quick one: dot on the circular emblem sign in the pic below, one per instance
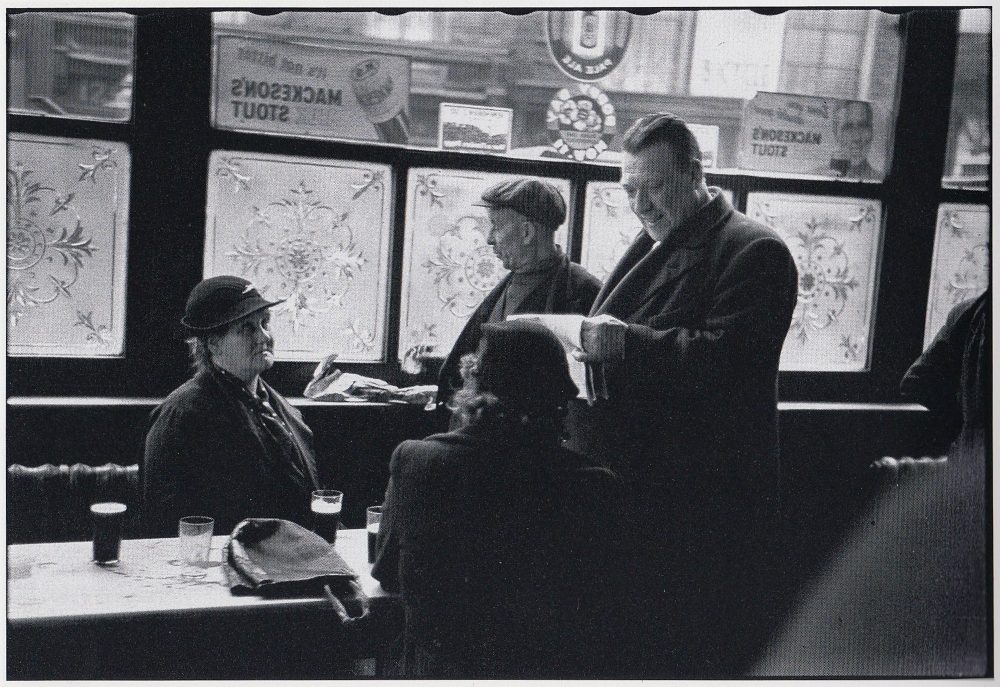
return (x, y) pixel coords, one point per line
(588, 44)
(581, 122)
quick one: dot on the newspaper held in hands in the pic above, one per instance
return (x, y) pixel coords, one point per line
(567, 328)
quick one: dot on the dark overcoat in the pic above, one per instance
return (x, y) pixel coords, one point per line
(503, 552)
(691, 425)
(693, 405)
(571, 289)
(206, 454)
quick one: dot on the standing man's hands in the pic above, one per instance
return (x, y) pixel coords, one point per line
(602, 339)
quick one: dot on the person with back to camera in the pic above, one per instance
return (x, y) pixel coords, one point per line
(683, 343)
(524, 215)
(225, 443)
(500, 541)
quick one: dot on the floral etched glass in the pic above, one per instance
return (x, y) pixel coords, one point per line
(835, 243)
(67, 232)
(961, 266)
(316, 233)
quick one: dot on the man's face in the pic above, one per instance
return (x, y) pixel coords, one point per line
(247, 348)
(511, 237)
(854, 131)
(660, 193)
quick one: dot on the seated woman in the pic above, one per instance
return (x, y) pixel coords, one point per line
(224, 443)
(500, 540)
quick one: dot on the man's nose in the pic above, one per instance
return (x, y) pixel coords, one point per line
(491, 238)
(640, 201)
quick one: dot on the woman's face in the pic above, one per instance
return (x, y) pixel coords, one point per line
(246, 349)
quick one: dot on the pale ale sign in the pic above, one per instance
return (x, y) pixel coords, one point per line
(298, 90)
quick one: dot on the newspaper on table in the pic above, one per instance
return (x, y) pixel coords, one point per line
(330, 384)
(589, 379)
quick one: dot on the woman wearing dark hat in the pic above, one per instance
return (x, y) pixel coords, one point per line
(225, 444)
(500, 540)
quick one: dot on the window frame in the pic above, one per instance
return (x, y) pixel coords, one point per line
(170, 138)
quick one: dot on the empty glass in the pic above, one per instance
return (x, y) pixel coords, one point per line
(194, 537)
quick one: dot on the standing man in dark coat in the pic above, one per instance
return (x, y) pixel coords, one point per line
(225, 444)
(524, 215)
(692, 321)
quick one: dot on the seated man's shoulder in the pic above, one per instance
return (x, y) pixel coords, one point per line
(582, 279)
(580, 469)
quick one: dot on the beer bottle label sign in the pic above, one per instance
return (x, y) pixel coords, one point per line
(587, 44)
(282, 87)
(581, 122)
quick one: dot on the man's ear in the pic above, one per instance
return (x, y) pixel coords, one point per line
(528, 236)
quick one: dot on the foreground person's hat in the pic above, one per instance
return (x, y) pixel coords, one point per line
(535, 199)
(218, 301)
(523, 362)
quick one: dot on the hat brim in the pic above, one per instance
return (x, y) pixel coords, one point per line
(247, 307)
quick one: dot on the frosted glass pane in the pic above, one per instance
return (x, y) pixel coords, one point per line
(314, 232)
(448, 268)
(609, 227)
(835, 243)
(961, 266)
(67, 232)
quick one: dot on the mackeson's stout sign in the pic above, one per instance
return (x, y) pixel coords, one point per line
(783, 132)
(292, 89)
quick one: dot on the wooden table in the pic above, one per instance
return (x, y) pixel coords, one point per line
(69, 618)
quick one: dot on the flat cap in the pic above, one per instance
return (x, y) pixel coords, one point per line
(537, 200)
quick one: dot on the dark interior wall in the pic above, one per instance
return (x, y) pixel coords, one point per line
(825, 452)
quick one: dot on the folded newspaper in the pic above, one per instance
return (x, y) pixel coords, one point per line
(330, 384)
(589, 379)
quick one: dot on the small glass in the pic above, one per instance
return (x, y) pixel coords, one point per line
(326, 506)
(194, 534)
(108, 518)
(374, 520)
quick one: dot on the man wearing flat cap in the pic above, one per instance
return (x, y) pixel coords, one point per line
(225, 444)
(524, 215)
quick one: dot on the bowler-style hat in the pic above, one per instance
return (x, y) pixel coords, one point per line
(524, 364)
(537, 200)
(218, 301)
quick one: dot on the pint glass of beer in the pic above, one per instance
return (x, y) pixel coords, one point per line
(326, 506)
(108, 519)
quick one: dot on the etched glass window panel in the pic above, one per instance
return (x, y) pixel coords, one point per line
(448, 268)
(71, 64)
(315, 233)
(609, 227)
(967, 161)
(960, 269)
(836, 245)
(67, 233)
